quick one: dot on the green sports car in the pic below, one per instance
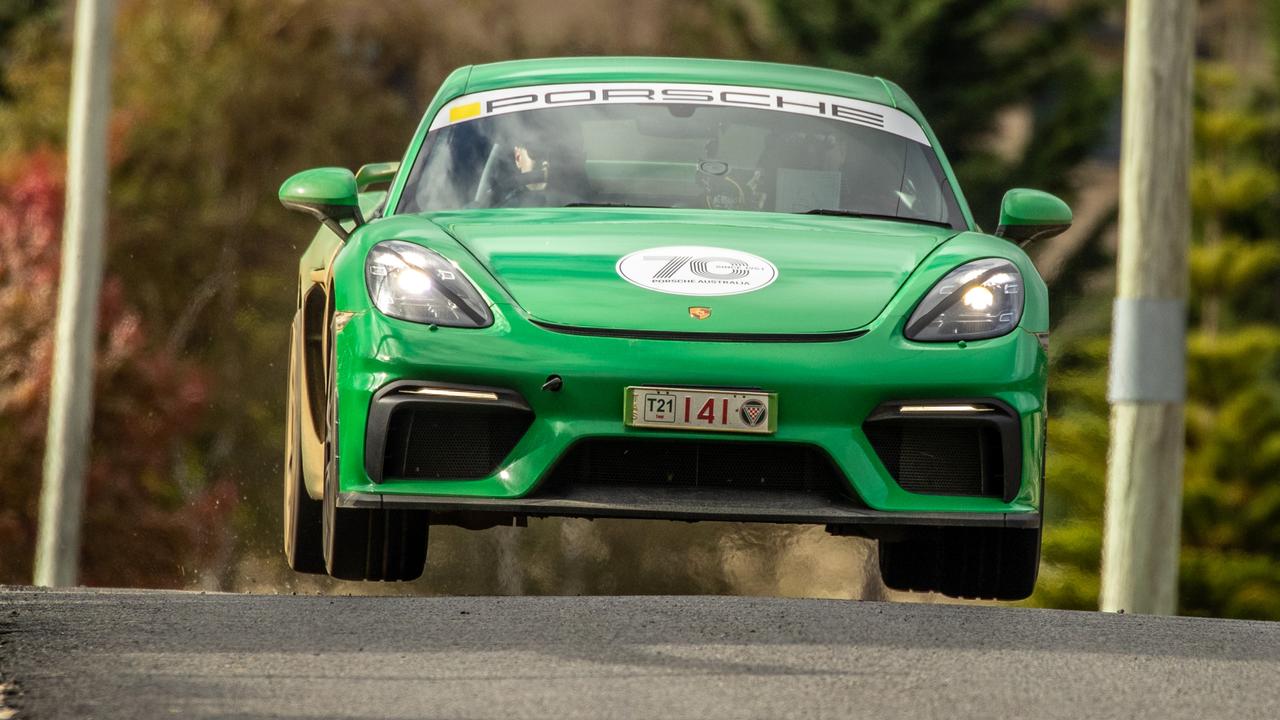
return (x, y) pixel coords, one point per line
(669, 288)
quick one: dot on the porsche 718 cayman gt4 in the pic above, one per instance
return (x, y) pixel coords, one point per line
(667, 288)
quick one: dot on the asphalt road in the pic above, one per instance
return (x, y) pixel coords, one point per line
(126, 654)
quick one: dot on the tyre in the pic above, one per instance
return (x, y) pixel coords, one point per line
(912, 564)
(363, 543)
(303, 548)
(963, 562)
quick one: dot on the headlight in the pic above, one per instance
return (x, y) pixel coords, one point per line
(981, 299)
(410, 282)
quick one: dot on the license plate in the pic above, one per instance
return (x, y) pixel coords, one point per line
(707, 410)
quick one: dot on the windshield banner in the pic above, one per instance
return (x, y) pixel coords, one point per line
(511, 100)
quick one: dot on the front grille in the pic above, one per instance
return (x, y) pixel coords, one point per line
(456, 441)
(940, 457)
(699, 464)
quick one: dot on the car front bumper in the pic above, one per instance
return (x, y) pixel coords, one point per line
(826, 391)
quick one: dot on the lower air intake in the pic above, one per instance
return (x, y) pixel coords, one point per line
(940, 457)
(700, 464)
(454, 441)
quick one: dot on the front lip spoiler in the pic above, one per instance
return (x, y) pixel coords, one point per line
(657, 503)
(825, 337)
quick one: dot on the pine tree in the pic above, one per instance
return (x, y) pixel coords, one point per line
(1231, 522)
(1231, 515)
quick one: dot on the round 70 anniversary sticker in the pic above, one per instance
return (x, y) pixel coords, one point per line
(697, 270)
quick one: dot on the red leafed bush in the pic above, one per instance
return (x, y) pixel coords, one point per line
(146, 522)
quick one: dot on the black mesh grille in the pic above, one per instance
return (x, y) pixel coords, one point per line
(699, 464)
(450, 441)
(940, 457)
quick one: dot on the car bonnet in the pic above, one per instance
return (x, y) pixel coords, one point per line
(694, 271)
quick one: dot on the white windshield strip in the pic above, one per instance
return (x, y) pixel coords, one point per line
(517, 99)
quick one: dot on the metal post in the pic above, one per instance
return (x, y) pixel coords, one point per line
(57, 560)
(1148, 342)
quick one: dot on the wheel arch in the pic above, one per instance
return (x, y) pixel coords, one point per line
(313, 317)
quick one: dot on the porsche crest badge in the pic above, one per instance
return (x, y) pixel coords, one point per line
(699, 313)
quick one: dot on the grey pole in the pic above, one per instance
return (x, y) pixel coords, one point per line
(1148, 336)
(57, 561)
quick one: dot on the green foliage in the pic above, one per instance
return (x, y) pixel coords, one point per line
(141, 528)
(13, 15)
(1231, 513)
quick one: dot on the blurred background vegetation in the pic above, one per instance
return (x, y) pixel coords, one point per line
(217, 101)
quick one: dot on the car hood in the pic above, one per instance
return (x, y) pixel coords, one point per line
(563, 267)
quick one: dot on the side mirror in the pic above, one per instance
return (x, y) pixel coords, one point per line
(1027, 215)
(327, 194)
(376, 174)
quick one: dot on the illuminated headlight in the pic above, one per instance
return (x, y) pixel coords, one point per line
(981, 299)
(410, 282)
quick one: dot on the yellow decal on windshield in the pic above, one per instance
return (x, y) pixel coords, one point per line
(464, 112)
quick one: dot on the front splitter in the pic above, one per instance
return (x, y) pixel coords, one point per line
(587, 501)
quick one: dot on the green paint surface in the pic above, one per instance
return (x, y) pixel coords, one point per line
(1033, 207)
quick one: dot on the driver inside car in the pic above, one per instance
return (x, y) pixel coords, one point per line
(527, 165)
(545, 174)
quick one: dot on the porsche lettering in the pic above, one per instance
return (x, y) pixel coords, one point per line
(498, 102)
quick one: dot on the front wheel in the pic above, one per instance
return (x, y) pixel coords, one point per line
(963, 562)
(364, 543)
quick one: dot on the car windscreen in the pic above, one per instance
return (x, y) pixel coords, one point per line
(682, 147)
